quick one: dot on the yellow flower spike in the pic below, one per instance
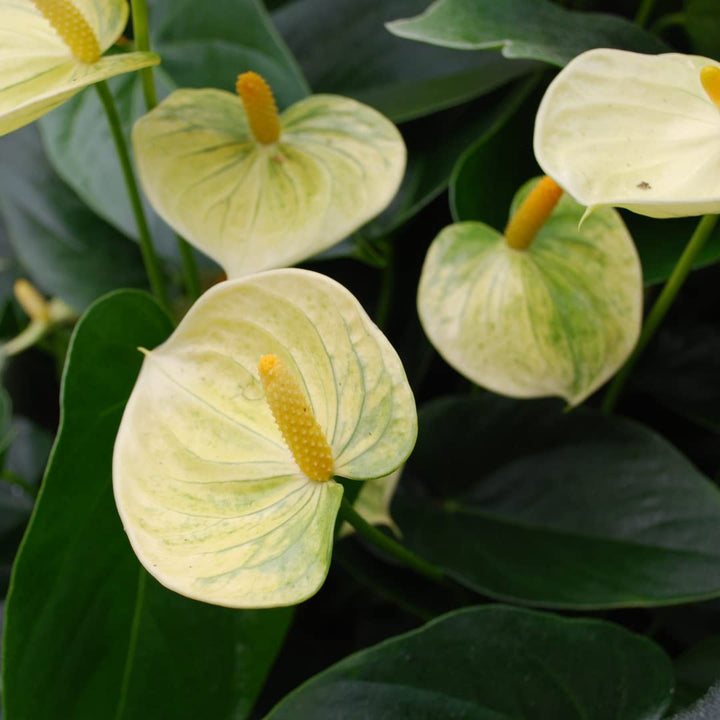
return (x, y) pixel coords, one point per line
(641, 132)
(294, 416)
(72, 27)
(260, 107)
(559, 318)
(710, 80)
(51, 49)
(217, 497)
(532, 214)
(256, 191)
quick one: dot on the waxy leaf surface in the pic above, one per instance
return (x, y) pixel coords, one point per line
(39, 71)
(84, 621)
(556, 319)
(633, 131)
(558, 509)
(211, 497)
(493, 663)
(252, 206)
(535, 29)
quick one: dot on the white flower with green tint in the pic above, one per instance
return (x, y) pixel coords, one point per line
(256, 190)
(548, 308)
(270, 387)
(52, 49)
(641, 132)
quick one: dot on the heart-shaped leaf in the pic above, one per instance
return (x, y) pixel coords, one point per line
(558, 509)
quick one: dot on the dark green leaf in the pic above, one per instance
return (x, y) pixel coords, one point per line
(696, 670)
(702, 22)
(534, 29)
(64, 248)
(493, 663)
(558, 509)
(207, 49)
(84, 622)
(402, 80)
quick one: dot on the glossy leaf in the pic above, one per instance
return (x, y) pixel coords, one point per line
(535, 29)
(67, 250)
(40, 72)
(83, 619)
(402, 80)
(212, 499)
(205, 49)
(254, 206)
(658, 131)
(559, 318)
(493, 663)
(558, 509)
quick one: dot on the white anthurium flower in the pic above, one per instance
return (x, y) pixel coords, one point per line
(255, 189)
(641, 132)
(52, 49)
(373, 502)
(548, 308)
(224, 463)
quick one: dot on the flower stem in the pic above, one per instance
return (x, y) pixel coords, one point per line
(150, 258)
(388, 545)
(662, 305)
(142, 43)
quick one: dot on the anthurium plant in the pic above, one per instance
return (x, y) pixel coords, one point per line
(360, 359)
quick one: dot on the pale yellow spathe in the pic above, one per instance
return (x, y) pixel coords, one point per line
(38, 71)
(210, 496)
(253, 206)
(559, 318)
(621, 129)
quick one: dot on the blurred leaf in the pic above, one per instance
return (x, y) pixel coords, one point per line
(702, 22)
(534, 29)
(493, 663)
(660, 244)
(681, 369)
(402, 80)
(572, 510)
(66, 250)
(478, 191)
(84, 621)
(696, 670)
(205, 49)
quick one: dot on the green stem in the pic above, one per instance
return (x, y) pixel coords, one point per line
(150, 258)
(662, 305)
(643, 13)
(142, 43)
(387, 544)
